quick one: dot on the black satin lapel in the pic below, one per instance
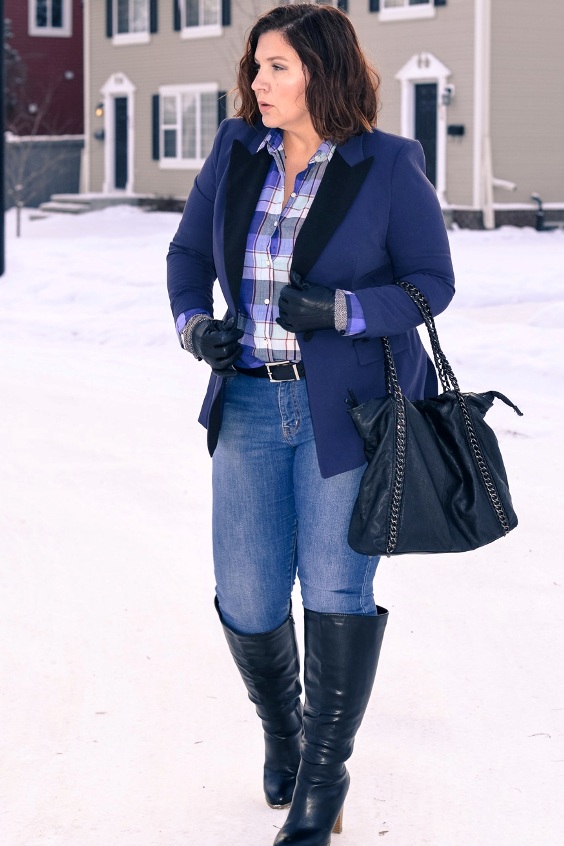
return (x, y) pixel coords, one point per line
(339, 186)
(245, 179)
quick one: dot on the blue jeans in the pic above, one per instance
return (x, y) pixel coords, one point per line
(274, 516)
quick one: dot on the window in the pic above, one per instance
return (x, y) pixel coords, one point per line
(50, 18)
(131, 21)
(390, 4)
(343, 5)
(200, 18)
(132, 16)
(188, 124)
(394, 10)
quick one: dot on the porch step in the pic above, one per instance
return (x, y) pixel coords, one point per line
(65, 208)
(81, 203)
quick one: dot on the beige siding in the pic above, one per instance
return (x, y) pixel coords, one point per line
(449, 36)
(166, 60)
(527, 116)
(527, 112)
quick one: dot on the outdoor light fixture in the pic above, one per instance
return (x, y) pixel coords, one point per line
(447, 95)
(99, 110)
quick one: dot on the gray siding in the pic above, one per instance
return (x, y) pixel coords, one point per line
(39, 166)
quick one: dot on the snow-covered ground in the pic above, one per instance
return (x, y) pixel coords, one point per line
(123, 720)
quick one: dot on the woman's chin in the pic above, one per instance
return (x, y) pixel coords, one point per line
(268, 121)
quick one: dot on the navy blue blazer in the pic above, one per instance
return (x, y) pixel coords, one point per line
(375, 218)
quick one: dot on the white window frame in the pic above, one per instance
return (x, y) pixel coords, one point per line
(200, 30)
(119, 38)
(64, 31)
(406, 12)
(177, 91)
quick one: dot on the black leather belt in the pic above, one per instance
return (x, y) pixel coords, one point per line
(280, 371)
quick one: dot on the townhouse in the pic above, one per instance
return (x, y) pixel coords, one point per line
(478, 82)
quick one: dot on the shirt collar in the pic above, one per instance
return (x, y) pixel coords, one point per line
(274, 143)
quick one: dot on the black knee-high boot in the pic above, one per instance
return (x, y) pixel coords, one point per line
(270, 668)
(341, 657)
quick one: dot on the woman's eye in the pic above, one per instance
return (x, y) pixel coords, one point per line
(277, 67)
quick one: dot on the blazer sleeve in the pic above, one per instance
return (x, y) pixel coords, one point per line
(190, 263)
(417, 246)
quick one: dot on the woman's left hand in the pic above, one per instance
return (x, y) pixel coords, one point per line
(305, 306)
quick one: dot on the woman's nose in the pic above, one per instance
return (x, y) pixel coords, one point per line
(258, 82)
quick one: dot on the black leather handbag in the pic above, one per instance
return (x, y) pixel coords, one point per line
(435, 480)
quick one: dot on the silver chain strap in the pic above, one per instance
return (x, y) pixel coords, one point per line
(394, 389)
(449, 383)
(445, 371)
(482, 465)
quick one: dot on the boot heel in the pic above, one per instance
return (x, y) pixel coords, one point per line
(338, 827)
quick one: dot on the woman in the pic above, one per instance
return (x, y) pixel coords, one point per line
(306, 214)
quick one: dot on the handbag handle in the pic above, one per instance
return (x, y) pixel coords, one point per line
(444, 370)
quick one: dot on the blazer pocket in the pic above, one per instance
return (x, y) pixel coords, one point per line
(370, 350)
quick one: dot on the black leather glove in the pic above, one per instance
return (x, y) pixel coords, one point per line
(217, 342)
(305, 306)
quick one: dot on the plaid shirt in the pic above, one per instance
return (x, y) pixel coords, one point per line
(270, 246)
(268, 257)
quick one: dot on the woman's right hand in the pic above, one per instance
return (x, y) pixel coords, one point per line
(217, 343)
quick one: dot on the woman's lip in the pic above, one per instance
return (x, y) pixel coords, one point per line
(263, 106)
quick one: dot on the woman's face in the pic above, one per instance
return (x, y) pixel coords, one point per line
(280, 84)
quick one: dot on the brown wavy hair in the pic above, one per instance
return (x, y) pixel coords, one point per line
(341, 85)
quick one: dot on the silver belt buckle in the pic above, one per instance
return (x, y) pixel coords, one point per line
(293, 364)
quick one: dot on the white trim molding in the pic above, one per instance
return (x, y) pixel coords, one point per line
(425, 67)
(404, 11)
(212, 31)
(203, 29)
(117, 85)
(483, 168)
(132, 36)
(63, 31)
(124, 38)
(85, 174)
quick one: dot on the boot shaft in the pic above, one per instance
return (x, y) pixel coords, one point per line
(270, 668)
(341, 658)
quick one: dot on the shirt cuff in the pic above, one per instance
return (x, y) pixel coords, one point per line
(183, 319)
(355, 323)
